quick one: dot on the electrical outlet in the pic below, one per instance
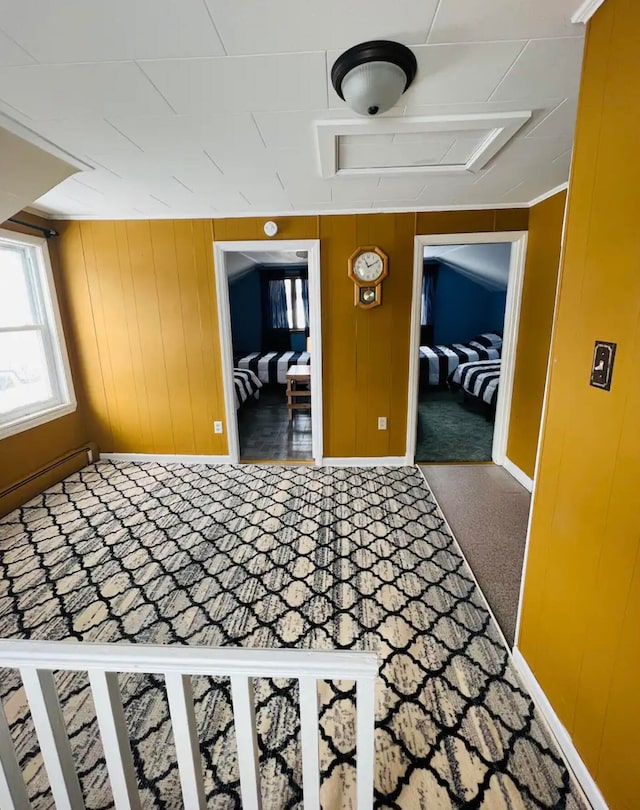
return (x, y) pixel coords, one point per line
(217, 427)
(382, 423)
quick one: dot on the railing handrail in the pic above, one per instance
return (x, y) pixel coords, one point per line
(251, 662)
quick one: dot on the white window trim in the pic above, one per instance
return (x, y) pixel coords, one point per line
(58, 347)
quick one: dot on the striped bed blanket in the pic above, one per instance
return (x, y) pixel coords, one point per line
(272, 367)
(478, 380)
(437, 363)
(246, 386)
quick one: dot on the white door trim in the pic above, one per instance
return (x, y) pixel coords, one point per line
(220, 251)
(518, 240)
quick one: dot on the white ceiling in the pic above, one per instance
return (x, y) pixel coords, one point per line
(487, 265)
(275, 257)
(239, 264)
(207, 107)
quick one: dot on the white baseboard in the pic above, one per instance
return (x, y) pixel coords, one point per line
(562, 736)
(516, 472)
(368, 461)
(166, 458)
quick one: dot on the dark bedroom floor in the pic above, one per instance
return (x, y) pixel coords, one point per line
(450, 431)
(266, 433)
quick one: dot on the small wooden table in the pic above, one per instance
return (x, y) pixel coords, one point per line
(298, 375)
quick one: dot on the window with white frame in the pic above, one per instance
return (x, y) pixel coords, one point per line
(296, 315)
(35, 382)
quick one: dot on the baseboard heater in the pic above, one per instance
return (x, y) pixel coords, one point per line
(25, 489)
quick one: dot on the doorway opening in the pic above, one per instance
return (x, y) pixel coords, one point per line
(269, 314)
(463, 301)
(466, 304)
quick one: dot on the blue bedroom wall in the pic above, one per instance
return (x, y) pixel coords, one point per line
(462, 308)
(246, 312)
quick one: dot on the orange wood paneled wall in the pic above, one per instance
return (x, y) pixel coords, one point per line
(23, 454)
(534, 335)
(143, 317)
(581, 619)
(366, 353)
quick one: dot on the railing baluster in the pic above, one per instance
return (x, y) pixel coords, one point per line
(365, 741)
(52, 736)
(115, 739)
(13, 793)
(185, 735)
(37, 660)
(244, 717)
(309, 743)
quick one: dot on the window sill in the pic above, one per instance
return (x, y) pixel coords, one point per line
(23, 423)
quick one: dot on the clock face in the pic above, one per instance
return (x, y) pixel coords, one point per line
(368, 266)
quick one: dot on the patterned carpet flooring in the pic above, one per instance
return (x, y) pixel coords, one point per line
(276, 556)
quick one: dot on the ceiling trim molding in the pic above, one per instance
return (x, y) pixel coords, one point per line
(29, 209)
(425, 209)
(551, 193)
(287, 213)
(586, 11)
(28, 135)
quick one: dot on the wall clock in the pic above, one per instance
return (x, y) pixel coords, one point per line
(368, 267)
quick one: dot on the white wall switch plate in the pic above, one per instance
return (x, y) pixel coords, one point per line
(382, 423)
(217, 427)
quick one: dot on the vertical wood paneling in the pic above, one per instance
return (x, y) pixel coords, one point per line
(511, 219)
(456, 221)
(209, 331)
(144, 319)
(202, 411)
(154, 371)
(237, 229)
(399, 335)
(110, 313)
(173, 333)
(580, 629)
(341, 397)
(131, 318)
(366, 352)
(365, 374)
(534, 336)
(100, 324)
(145, 324)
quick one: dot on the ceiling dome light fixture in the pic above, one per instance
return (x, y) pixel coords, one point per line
(372, 76)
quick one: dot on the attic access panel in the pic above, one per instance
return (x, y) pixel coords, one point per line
(441, 144)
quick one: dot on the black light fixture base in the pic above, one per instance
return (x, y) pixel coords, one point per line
(376, 50)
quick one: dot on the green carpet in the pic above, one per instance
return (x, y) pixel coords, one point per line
(450, 431)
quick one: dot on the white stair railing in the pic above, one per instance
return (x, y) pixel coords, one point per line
(37, 660)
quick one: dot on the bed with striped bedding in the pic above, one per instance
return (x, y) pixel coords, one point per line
(479, 381)
(272, 367)
(246, 386)
(437, 363)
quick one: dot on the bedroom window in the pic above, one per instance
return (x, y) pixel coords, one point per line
(296, 309)
(35, 382)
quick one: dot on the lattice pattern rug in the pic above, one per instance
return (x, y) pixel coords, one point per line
(276, 556)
